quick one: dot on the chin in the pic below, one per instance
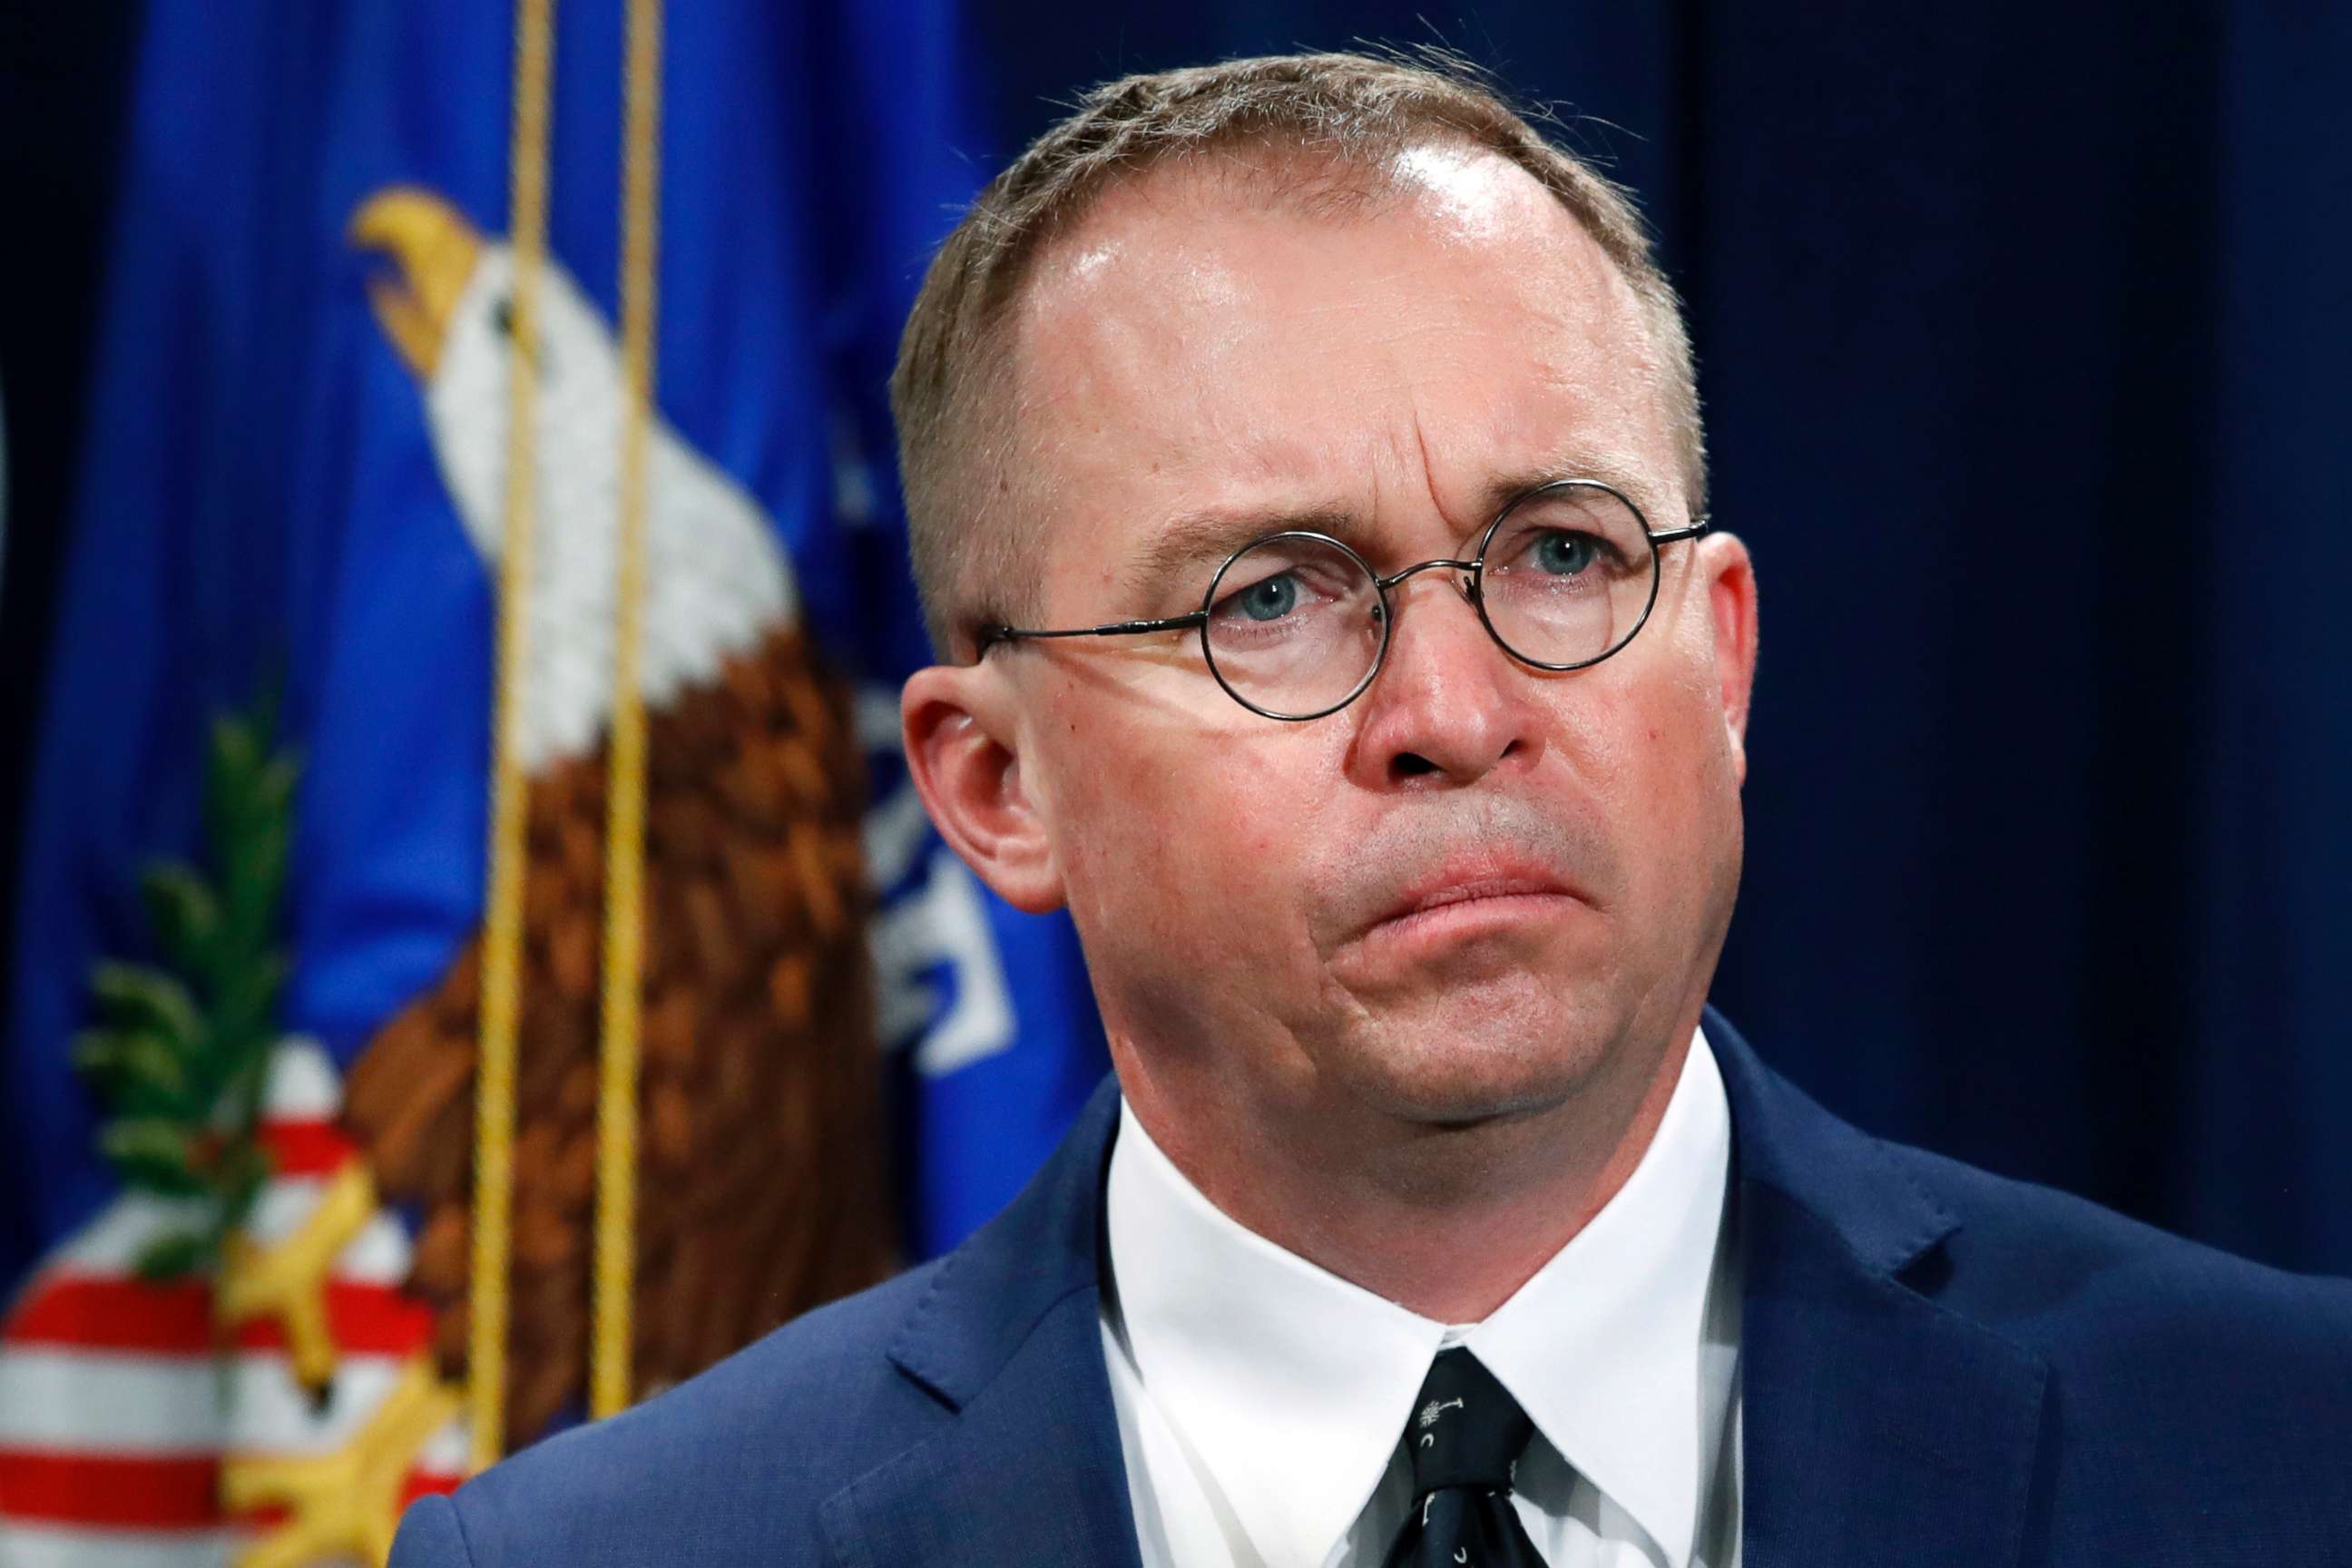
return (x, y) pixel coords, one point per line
(1473, 1057)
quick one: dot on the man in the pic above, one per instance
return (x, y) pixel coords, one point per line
(1308, 492)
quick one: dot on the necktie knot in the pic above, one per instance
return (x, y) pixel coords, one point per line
(1466, 1430)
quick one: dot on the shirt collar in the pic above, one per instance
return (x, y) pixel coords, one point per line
(1257, 1356)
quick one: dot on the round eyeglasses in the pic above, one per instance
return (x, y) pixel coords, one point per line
(1295, 625)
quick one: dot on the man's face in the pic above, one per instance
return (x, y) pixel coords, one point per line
(1457, 896)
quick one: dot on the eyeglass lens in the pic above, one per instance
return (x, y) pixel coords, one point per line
(1294, 628)
(1567, 575)
(1295, 625)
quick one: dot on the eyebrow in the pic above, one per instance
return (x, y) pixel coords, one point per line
(1620, 471)
(1193, 544)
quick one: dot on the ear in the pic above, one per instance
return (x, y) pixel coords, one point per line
(962, 740)
(1731, 580)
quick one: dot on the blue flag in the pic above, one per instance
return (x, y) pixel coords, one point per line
(256, 857)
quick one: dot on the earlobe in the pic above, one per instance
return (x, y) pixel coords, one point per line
(1731, 602)
(963, 753)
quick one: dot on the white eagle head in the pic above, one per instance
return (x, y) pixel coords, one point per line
(717, 581)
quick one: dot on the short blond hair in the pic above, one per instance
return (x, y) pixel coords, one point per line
(1350, 111)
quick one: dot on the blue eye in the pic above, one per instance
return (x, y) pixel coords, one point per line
(1270, 600)
(1564, 553)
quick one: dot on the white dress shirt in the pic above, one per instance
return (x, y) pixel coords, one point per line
(1262, 1400)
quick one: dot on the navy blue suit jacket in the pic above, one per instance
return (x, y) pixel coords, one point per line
(1941, 1367)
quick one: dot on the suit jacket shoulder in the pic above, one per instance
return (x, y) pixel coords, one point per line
(2073, 1277)
(2200, 1378)
(2137, 1397)
(729, 1466)
(959, 1412)
(2104, 1295)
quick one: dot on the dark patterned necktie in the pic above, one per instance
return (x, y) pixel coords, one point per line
(1465, 1436)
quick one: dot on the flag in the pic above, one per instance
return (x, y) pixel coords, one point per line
(239, 1058)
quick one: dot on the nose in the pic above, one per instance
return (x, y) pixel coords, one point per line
(1449, 706)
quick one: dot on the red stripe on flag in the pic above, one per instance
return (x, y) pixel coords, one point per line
(90, 1313)
(94, 1313)
(305, 1148)
(113, 1490)
(126, 1492)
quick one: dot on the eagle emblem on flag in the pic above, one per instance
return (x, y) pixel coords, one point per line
(279, 1382)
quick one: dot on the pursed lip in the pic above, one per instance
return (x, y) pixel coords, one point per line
(1465, 883)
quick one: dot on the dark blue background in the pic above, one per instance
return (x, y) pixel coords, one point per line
(2023, 334)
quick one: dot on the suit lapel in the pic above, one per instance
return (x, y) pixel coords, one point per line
(1030, 1471)
(1008, 1339)
(1879, 1426)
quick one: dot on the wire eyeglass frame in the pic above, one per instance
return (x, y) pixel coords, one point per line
(1472, 587)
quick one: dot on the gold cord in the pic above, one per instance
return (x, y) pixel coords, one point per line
(609, 1383)
(494, 1100)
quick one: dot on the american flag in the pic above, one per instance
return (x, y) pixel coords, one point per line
(124, 1404)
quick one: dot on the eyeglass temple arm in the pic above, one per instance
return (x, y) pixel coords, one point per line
(1667, 536)
(995, 634)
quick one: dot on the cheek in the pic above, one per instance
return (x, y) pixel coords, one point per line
(1173, 829)
(1651, 749)
(1673, 726)
(1688, 810)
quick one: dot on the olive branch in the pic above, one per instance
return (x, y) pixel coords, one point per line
(180, 1050)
